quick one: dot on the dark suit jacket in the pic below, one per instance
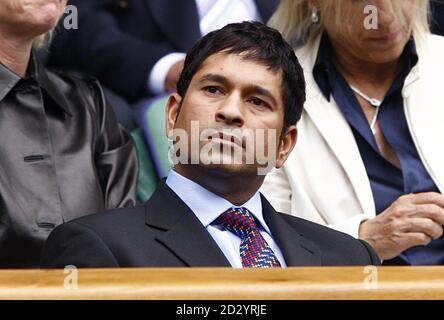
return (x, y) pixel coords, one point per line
(120, 41)
(437, 22)
(165, 233)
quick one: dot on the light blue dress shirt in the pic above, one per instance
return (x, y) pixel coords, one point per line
(208, 206)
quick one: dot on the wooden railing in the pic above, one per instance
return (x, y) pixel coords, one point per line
(225, 284)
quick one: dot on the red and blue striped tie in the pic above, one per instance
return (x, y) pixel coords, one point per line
(254, 250)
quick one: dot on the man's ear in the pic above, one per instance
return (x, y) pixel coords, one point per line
(288, 141)
(172, 112)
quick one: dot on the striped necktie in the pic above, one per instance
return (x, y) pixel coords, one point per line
(254, 250)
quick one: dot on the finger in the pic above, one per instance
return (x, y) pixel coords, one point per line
(425, 226)
(430, 211)
(414, 239)
(426, 198)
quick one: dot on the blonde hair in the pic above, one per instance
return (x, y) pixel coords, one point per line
(293, 18)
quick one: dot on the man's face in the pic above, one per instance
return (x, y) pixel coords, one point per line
(233, 113)
(30, 18)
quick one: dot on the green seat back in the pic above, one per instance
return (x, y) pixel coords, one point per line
(147, 181)
(153, 122)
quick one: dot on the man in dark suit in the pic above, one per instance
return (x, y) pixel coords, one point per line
(241, 93)
(121, 41)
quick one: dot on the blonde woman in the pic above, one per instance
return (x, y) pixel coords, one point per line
(62, 153)
(369, 159)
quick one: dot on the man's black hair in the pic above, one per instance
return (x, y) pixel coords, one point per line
(256, 42)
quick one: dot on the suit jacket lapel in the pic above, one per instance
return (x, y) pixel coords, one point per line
(178, 19)
(183, 235)
(424, 115)
(187, 238)
(297, 250)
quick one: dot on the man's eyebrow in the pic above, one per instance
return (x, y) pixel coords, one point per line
(214, 78)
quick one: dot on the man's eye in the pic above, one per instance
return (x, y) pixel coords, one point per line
(212, 90)
(258, 102)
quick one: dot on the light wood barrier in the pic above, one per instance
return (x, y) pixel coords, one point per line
(225, 284)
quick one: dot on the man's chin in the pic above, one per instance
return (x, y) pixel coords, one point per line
(230, 170)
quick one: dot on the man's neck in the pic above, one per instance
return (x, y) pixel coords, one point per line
(15, 53)
(235, 188)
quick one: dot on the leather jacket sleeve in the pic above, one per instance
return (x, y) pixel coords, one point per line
(115, 154)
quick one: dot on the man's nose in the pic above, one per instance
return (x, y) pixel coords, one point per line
(231, 111)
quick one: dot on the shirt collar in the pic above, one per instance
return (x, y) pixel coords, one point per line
(324, 69)
(410, 55)
(8, 80)
(37, 72)
(208, 206)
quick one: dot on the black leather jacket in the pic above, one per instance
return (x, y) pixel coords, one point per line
(62, 155)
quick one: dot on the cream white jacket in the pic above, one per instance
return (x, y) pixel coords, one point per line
(324, 180)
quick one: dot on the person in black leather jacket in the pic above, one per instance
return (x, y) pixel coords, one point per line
(62, 153)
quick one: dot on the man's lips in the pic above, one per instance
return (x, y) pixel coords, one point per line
(223, 137)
